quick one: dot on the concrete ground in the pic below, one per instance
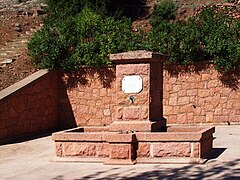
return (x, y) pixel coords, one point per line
(33, 159)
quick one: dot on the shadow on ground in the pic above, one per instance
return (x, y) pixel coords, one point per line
(211, 170)
(27, 137)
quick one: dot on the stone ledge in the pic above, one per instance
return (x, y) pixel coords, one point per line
(177, 134)
(19, 85)
(137, 57)
(168, 136)
(121, 138)
(83, 137)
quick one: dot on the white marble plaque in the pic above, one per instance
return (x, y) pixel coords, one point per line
(132, 84)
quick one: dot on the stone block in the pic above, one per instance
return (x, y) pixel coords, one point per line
(132, 113)
(167, 87)
(103, 149)
(192, 92)
(182, 118)
(183, 100)
(218, 111)
(172, 119)
(190, 117)
(176, 88)
(196, 150)
(79, 149)
(199, 119)
(120, 151)
(132, 69)
(167, 110)
(209, 117)
(203, 93)
(119, 112)
(59, 149)
(143, 150)
(182, 93)
(173, 100)
(171, 149)
(213, 83)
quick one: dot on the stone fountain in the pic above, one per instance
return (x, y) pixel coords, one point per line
(139, 133)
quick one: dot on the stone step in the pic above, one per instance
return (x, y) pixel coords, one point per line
(2, 54)
(30, 33)
(4, 62)
(13, 49)
(12, 56)
(17, 44)
(20, 40)
(24, 36)
(10, 48)
(8, 52)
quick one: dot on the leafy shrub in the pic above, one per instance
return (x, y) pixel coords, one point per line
(86, 39)
(208, 36)
(106, 8)
(163, 11)
(221, 39)
(86, 32)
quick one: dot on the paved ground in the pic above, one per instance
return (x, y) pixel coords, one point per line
(32, 160)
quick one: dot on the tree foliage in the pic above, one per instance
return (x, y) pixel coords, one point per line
(86, 32)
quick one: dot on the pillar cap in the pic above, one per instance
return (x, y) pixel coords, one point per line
(136, 57)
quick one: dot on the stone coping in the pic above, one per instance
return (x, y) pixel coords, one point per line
(175, 134)
(19, 85)
(123, 138)
(136, 57)
(82, 136)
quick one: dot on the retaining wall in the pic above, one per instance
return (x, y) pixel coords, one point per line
(199, 94)
(191, 95)
(87, 97)
(29, 106)
(49, 100)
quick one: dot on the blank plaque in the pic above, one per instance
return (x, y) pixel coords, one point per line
(132, 84)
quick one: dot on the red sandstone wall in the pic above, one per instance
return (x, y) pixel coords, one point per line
(31, 109)
(87, 97)
(199, 96)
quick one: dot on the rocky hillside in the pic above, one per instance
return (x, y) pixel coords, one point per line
(18, 21)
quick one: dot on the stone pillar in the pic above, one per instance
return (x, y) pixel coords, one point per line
(139, 91)
(122, 149)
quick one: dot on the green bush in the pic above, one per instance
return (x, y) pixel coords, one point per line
(208, 36)
(86, 32)
(163, 11)
(86, 39)
(115, 8)
(221, 39)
